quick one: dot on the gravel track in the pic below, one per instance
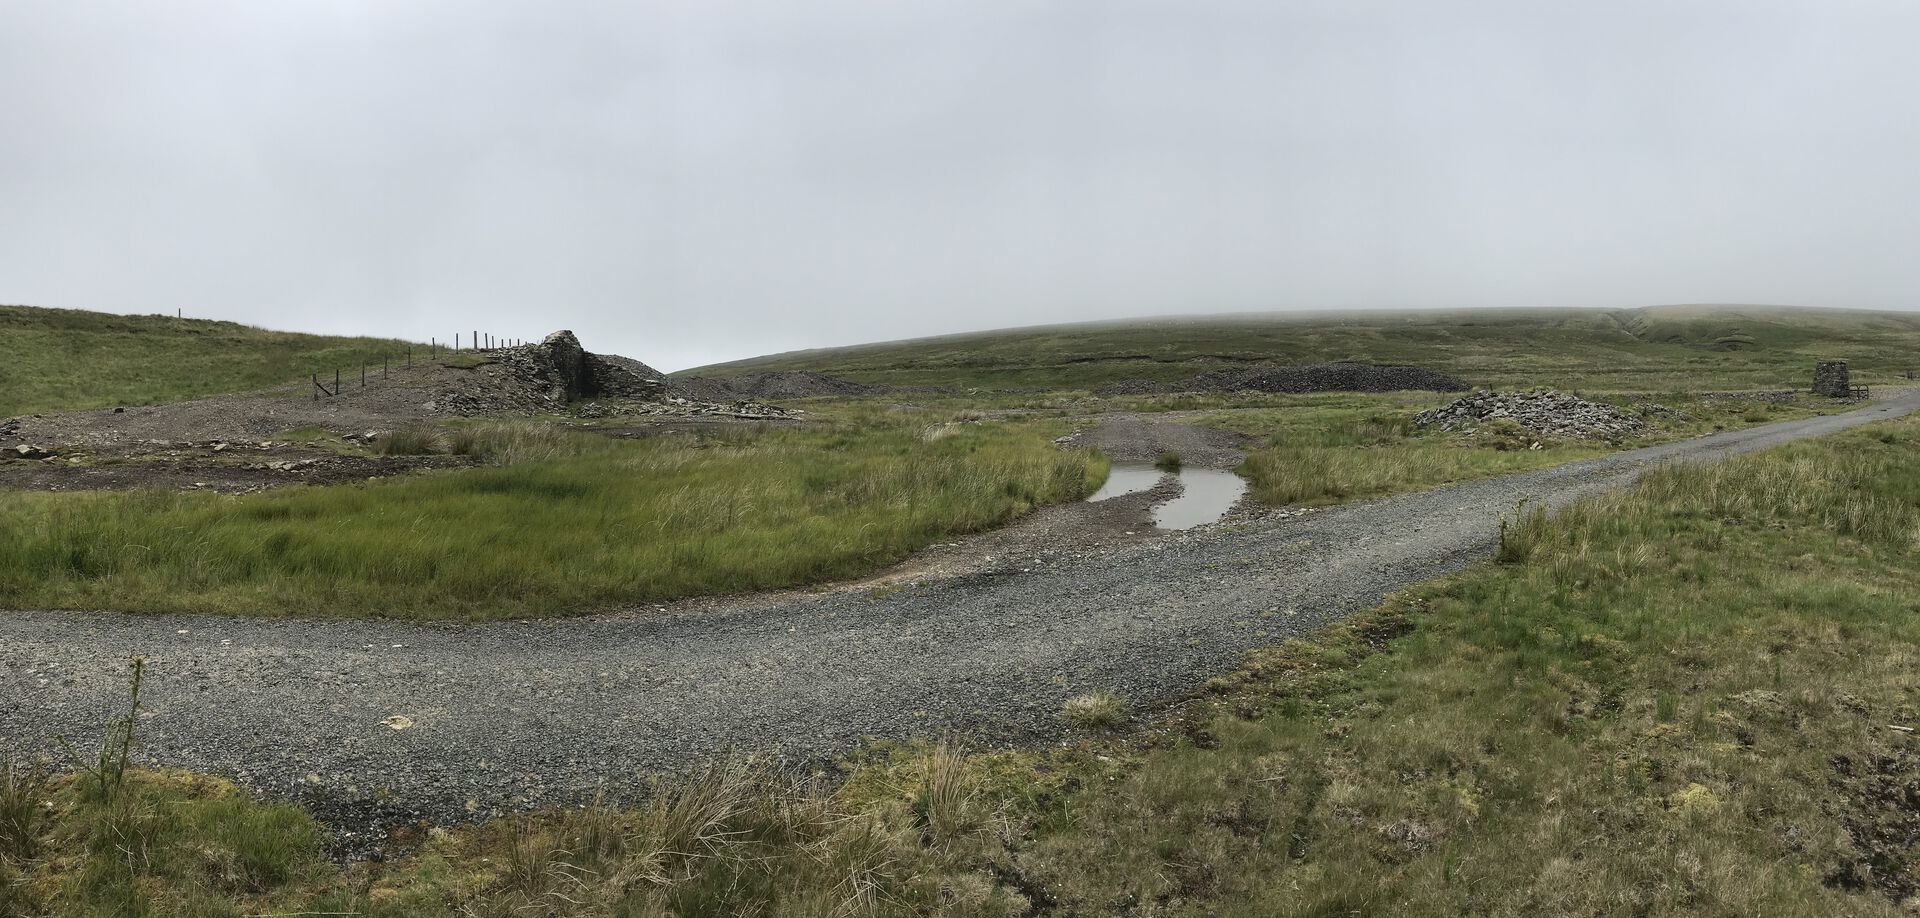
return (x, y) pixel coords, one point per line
(512, 714)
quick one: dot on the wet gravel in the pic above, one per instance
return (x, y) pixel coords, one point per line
(506, 715)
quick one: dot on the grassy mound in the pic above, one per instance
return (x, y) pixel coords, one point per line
(60, 359)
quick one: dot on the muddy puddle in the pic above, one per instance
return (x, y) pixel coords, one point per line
(1123, 478)
(1206, 494)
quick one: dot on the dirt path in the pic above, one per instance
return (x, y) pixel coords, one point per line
(1146, 437)
(512, 714)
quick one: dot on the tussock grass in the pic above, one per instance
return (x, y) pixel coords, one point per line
(414, 440)
(23, 793)
(1095, 711)
(1665, 704)
(170, 844)
(509, 443)
(1324, 449)
(1672, 701)
(736, 839)
(1334, 449)
(559, 522)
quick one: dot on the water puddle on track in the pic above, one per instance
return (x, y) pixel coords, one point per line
(1126, 479)
(1206, 495)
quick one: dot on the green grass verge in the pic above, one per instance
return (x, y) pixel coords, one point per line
(564, 524)
(59, 359)
(1677, 700)
(1328, 448)
(1618, 350)
(1673, 701)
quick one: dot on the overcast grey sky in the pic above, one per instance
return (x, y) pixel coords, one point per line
(695, 181)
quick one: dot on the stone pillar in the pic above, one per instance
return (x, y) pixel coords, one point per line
(563, 364)
(1830, 379)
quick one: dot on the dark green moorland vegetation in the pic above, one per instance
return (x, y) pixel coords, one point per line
(61, 359)
(560, 522)
(1694, 697)
(1655, 349)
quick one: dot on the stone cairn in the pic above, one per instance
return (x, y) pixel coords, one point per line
(1830, 378)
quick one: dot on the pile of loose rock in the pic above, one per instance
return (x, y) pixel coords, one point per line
(1324, 377)
(780, 385)
(1541, 411)
(675, 407)
(1775, 396)
(285, 465)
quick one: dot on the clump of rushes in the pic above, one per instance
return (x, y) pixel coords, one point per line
(1168, 462)
(23, 793)
(1100, 710)
(413, 440)
(1097, 470)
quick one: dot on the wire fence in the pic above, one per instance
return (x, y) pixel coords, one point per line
(478, 342)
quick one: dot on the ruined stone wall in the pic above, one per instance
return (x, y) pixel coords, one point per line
(1830, 378)
(612, 376)
(567, 372)
(566, 366)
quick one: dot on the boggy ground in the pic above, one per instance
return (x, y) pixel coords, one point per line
(512, 714)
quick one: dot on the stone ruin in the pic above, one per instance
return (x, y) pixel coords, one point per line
(570, 373)
(1830, 378)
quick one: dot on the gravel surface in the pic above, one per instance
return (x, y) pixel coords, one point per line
(1136, 437)
(503, 715)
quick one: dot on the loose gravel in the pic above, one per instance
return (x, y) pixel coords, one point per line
(498, 716)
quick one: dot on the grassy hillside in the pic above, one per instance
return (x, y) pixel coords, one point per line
(59, 359)
(1622, 350)
(1693, 698)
